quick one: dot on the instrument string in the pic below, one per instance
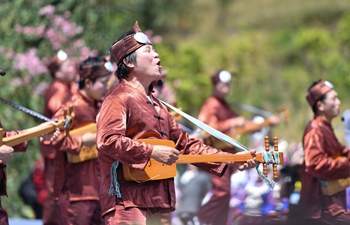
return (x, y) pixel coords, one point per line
(223, 137)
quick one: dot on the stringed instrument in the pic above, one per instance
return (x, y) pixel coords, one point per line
(331, 187)
(335, 186)
(85, 153)
(249, 128)
(34, 132)
(155, 170)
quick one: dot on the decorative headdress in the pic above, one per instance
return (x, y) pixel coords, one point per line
(55, 62)
(315, 93)
(132, 41)
(223, 76)
(94, 71)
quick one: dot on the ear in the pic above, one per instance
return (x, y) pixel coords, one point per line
(87, 82)
(128, 64)
(320, 106)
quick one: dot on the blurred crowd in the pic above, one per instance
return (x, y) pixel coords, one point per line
(251, 202)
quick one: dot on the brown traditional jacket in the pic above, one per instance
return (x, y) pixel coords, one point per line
(321, 148)
(217, 113)
(18, 148)
(56, 95)
(126, 115)
(81, 179)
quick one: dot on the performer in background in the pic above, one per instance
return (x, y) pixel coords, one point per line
(131, 112)
(61, 88)
(76, 183)
(324, 159)
(6, 153)
(217, 113)
(346, 128)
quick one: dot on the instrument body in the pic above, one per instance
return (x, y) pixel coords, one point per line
(334, 186)
(155, 170)
(85, 153)
(331, 187)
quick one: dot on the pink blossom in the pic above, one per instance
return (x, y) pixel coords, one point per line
(149, 33)
(10, 54)
(78, 43)
(157, 39)
(30, 62)
(60, 33)
(154, 39)
(53, 38)
(18, 82)
(18, 28)
(29, 30)
(41, 88)
(79, 30)
(67, 14)
(85, 52)
(68, 28)
(40, 30)
(48, 10)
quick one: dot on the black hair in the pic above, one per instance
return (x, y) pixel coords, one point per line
(122, 70)
(95, 62)
(322, 98)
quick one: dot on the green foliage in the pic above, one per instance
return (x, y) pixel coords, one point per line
(276, 48)
(186, 75)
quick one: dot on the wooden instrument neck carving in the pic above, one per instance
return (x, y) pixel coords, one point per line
(35, 131)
